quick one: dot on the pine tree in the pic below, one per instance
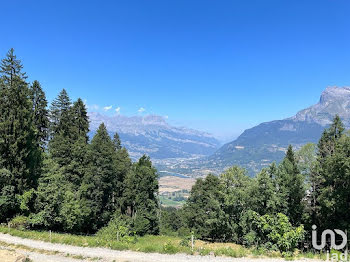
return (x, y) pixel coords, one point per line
(80, 119)
(61, 125)
(291, 188)
(59, 110)
(123, 167)
(40, 114)
(329, 137)
(101, 180)
(11, 69)
(328, 178)
(263, 195)
(17, 132)
(117, 142)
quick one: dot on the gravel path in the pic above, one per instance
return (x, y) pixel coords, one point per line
(108, 255)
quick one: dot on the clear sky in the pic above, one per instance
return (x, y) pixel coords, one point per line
(220, 66)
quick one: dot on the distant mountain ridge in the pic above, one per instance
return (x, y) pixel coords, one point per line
(152, 135)
(259, 146)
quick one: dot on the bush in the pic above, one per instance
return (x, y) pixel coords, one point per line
(169, 248)
(19, 222)
(117, 229)
(185, 242)
(276, 232)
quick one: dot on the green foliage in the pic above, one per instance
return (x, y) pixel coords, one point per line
(8, 200)
(263, 194)
(100, 181)
(291, 188)
(19, 222)
(17, 130)
(27, 201)
(140, 197)
(116, 141)
(171, 220)
(329, 190)
(203, 211)
(276, 232)
(40, 114)
(119, 228)
(169, 248)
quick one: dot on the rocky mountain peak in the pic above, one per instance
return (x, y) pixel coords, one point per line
(334, 101)
(333, 93)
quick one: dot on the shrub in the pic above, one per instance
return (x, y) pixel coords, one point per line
(19, 222)
(276, 232)
(185, 242)
(169, 248)
(117, 229)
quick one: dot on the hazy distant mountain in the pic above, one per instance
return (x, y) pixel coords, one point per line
(259, 146)
(153, 136)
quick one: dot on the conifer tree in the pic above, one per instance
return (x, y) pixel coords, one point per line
(117, 142)
(80, 119)
(17, 137)
(327, 174)
(61, 125)
(59, 110)
(123, 167)
(40, 114)
(291, 187)
(101, 180)
(263, 194)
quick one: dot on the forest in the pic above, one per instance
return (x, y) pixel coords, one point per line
(52, 177)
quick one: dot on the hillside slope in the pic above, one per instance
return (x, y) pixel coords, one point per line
(261, 145)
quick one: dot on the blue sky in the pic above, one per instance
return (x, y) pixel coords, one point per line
(219, 66)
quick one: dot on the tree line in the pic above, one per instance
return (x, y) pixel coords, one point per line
(53, 176)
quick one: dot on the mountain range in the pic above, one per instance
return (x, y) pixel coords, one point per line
(267, 142)
(152, 135)
(180, 150)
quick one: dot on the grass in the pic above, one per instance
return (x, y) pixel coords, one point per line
(169, 202)
(148, 244)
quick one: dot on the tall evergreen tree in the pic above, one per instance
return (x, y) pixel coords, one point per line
(80, 119)
(59, 110)
(329, 137)
(329, 176)
(99, 183)
(17, 137)
(41, 125)
(61, 127)
(291, 187)
(40, 114)
(263, 194)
